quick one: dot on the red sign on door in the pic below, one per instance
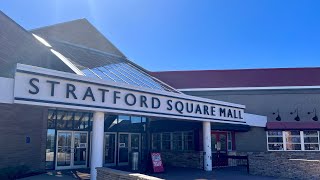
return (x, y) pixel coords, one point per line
(157, 162)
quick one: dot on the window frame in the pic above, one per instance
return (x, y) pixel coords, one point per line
(185, 141)
(182, 133)
(304, 143)
(169, 140)
(301, 135)
(283, 142)
(229, 140)
(153, 139)
(178, 133)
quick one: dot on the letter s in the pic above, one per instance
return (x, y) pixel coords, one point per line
(36, 88)
(169, 105)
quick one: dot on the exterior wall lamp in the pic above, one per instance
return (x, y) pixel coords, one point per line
(278, 118)
(297, 118)
(315, 117)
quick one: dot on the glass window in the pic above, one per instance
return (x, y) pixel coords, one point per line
(135, 119)
(177, 141)
(156, 141)
(128, 124)
(311, 140)
(293, 140)
(275, 133)
(64, 120)
(166, 141)
(126, 119)
(275, 140)
(50, 149)
(81, 120)
(52, 116)
(103, 74)
(89, 73)
(123, 75)
(188, 141)
(69, 120)
(275, 146)
(110, 122)
(144, 119)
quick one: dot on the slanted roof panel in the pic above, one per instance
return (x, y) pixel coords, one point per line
(78, 32)
(19, 46)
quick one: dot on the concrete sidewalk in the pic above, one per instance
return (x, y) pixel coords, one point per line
(171, 173)
(83, 174)
(175, 173)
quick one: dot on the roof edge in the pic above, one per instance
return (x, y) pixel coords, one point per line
(60, 23)
(250, 88)
(245, 69)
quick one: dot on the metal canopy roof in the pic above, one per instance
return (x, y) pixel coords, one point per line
(99, 64)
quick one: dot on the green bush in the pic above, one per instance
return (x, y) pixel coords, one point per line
(13, 172)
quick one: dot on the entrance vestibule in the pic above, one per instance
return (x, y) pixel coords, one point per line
(128, 143)
(71, 149)
(69, 139)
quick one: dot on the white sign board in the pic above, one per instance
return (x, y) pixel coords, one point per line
(45, 87)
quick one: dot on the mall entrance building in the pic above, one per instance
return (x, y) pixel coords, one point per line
(70, 99)
(68, 139)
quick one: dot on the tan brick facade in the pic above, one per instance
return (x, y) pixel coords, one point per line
(293, 165)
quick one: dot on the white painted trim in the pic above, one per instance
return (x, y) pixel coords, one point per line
(207, 157)
(283, 141)
(22, 96)
(250, 88)
(97, 143)
(302, 140)
(101, 81)
(7, 86)
(255, 120)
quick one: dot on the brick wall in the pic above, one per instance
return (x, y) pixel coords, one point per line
(295, 165)
(192, 159)
(17, 123)
(107, 173)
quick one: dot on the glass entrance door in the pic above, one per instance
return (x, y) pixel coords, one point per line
(128, 142)
(72, 149)
(123, 146)
(135, 142)
(63, 149)
(219, 148)
(80, 149)
(110, 149)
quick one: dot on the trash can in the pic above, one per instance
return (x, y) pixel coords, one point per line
(135, 161)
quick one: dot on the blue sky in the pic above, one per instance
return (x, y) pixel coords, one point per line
(192, 35)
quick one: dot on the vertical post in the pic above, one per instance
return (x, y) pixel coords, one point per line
(97, 143)
(207, 157)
